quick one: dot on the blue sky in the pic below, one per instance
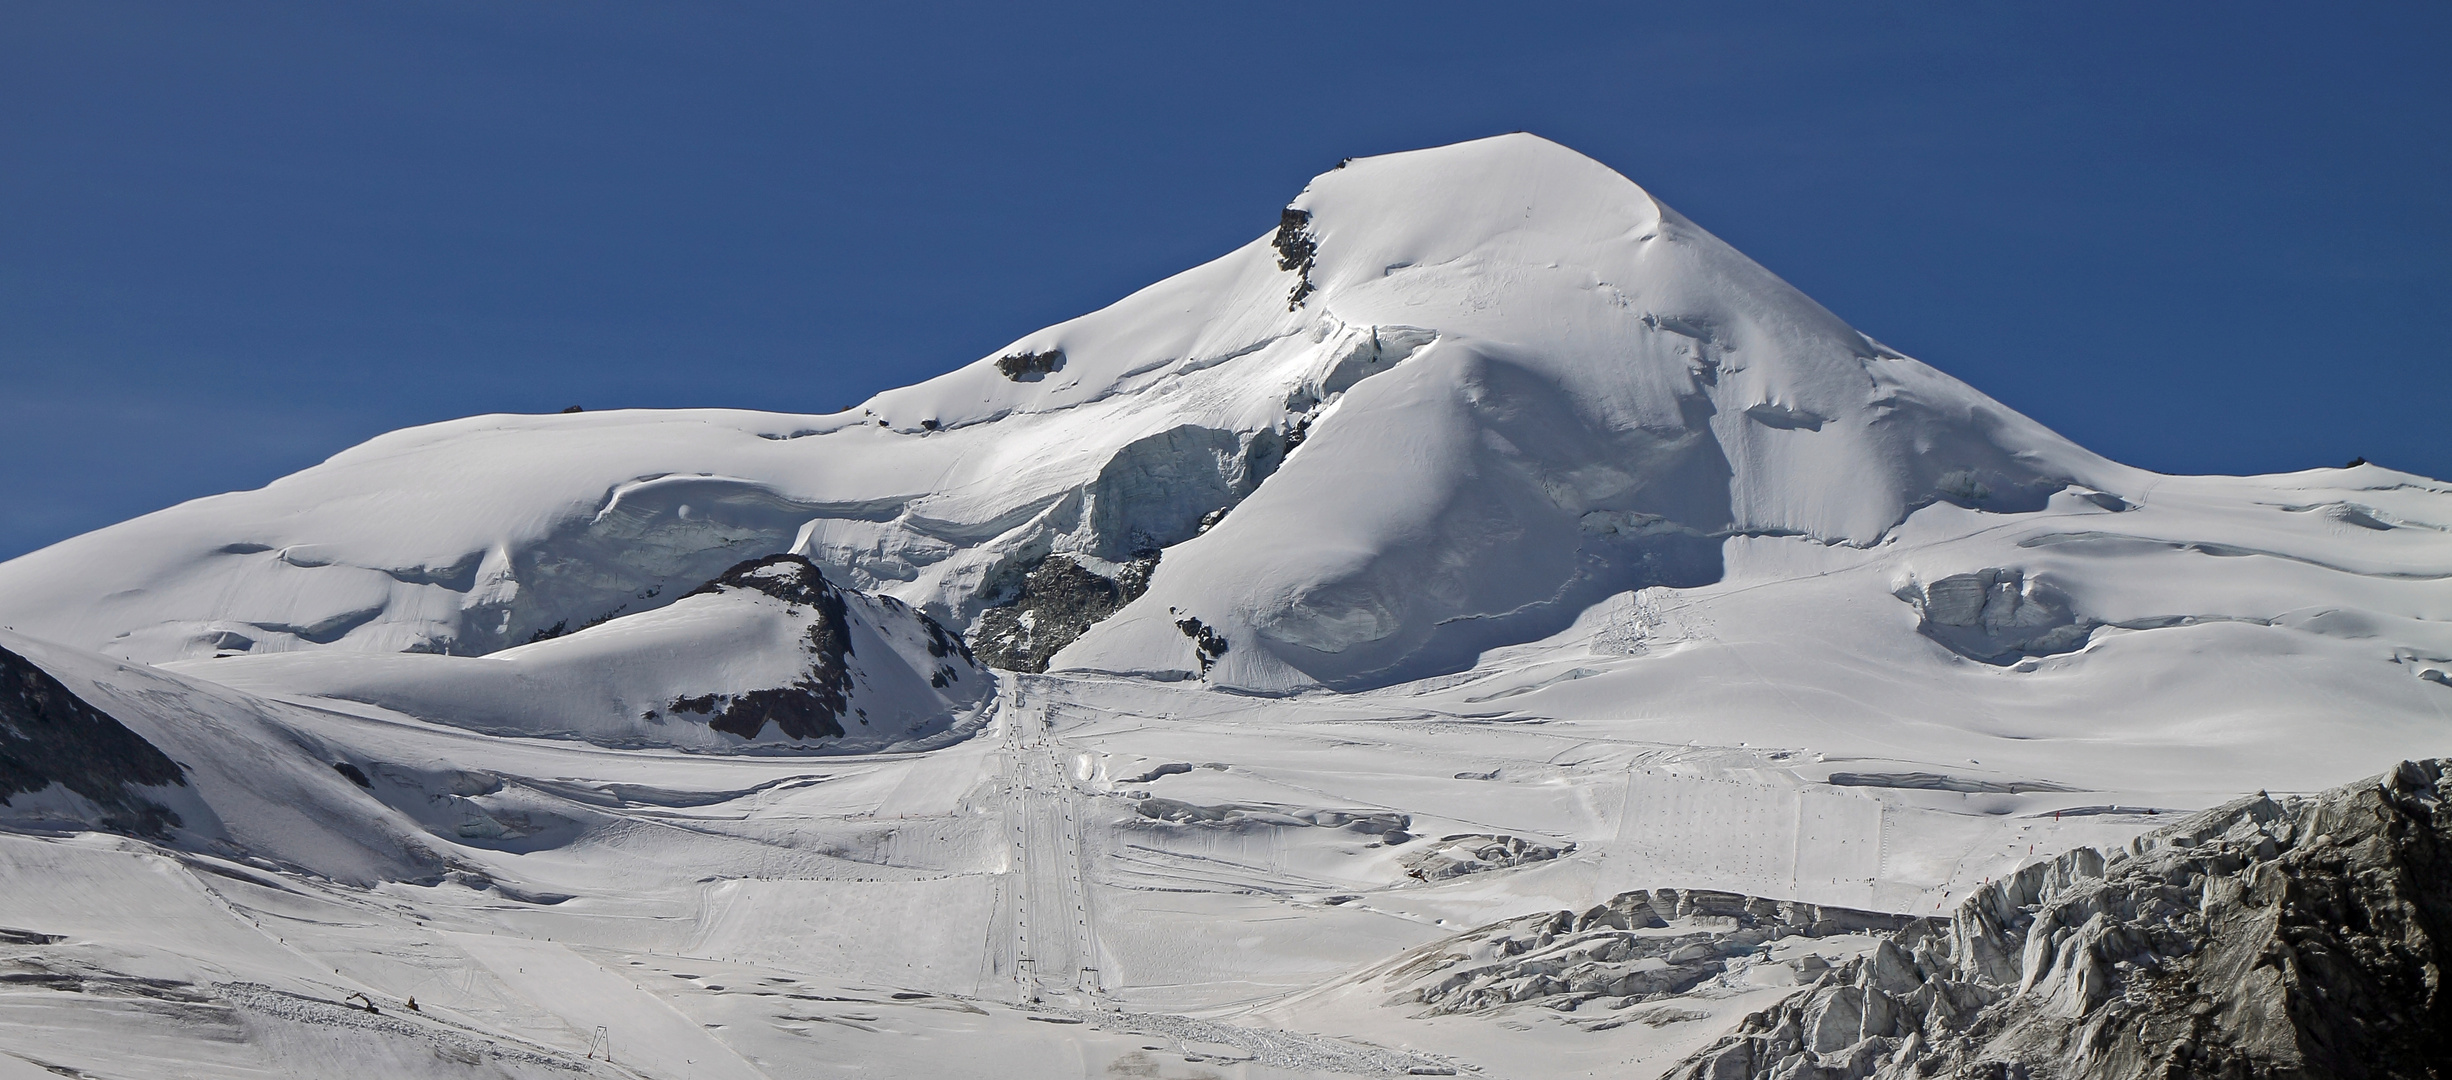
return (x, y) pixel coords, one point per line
(238, 237)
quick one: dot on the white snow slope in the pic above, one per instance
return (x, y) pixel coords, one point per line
(1496, 509)
(768, 657)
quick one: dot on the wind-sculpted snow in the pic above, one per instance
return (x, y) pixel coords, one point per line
(1517, 388)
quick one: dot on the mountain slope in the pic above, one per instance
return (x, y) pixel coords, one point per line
(767, 657)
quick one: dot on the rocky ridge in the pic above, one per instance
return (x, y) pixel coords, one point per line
(2261, 939)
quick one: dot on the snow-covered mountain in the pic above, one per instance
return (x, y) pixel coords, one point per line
(1493, 383)
(1485, 540)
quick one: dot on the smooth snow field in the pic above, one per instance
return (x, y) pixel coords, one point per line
(1227, 683)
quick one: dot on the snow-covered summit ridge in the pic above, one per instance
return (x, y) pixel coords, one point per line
(1548, 259)
(1455, 398)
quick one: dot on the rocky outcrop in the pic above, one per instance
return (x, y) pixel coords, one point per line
(2263, 939)
(814, 705)
(1207, 643)
(1060, 600)
(1296, 251)
(1027, 366)
(49, 736)
(1639, 947)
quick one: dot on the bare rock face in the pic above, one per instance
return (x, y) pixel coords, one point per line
(1060, 600)
(2261, 939)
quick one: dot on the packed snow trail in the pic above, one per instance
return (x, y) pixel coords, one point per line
(1055, 936)
(1055, 946)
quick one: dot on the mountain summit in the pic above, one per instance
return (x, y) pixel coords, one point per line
(1456, 397)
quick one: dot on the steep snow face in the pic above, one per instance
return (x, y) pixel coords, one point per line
(768, 657)
(1611, 392)
(1456, 397)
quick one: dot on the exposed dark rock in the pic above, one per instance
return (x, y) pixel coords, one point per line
(353, 774)
(1207, 642)
(1060, 600)
(1624, 949)
(942, 643)
(1997, 616)
(812, 706)
(789, 578)
(2258, 940)
(1030, 366)
(808, 709)
(50, 736)
(1296, 250)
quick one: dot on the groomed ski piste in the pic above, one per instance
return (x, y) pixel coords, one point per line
(1216, 685)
